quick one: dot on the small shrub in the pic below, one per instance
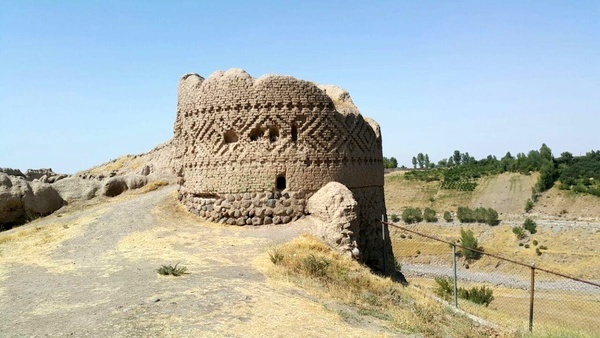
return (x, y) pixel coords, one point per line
(528, 205)
(402, 236)
(429, 215)
(445, 286)
(316, 266)
(519, 232)
(276, 256)
(447, 216)
(412, 215)
(526, 246)
(418, 252)
(543, 247)
(520, 244)
(534, 242)
(167, 270)
(469, 241)
(530, 226)
(482, 295)
(394, 218)
(538, 252)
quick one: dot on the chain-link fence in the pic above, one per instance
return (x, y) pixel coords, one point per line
(501, 290)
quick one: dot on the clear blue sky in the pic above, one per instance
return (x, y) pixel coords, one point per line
(83, 82)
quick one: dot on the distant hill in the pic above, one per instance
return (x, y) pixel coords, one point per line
(507, 193)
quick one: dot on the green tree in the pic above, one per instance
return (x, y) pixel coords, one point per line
(456, 157)
(442, 163)
(420, 160)
(394, 162)
(414, 162)
(545, 153)
(426, 161)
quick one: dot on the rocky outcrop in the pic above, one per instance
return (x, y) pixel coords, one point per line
(21, 200)
(336, 209)
(115, 186)
(74, 188)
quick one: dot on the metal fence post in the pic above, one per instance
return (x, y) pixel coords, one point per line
(532, 288)
(454, 275)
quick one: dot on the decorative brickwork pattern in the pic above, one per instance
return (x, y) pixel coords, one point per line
(252, 151)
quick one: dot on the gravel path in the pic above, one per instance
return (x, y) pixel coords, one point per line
(498, 279)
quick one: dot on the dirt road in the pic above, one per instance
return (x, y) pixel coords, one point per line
(91, 272)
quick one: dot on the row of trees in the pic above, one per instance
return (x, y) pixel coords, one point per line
(460, 171)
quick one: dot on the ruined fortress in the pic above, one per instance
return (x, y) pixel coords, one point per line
(253, 151)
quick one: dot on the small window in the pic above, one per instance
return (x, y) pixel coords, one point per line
(280, 183)
(294, 133)
(230, 136)
(273, 134)
(256, 134)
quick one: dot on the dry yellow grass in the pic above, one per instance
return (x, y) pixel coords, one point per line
(37, 243)
(307, 262)
(556, 313)
(153, 185)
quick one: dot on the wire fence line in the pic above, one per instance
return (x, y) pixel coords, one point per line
(528, 297)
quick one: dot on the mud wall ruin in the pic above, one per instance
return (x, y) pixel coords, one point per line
(252, 151)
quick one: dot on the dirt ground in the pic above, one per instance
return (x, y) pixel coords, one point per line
(91, 272)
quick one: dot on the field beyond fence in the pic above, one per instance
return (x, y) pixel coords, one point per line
(521, 297)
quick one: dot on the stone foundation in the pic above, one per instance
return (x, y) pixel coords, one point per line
(248, 208)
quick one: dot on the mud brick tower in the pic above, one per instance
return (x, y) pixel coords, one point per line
(252, 151)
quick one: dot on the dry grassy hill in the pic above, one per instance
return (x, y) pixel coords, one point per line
(507, 193)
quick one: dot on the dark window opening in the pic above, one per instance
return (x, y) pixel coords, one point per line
(294, 133)
(256, 134)
(280, 183)
(230, 136)
(273, 134)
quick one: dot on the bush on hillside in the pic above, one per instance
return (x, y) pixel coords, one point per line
(429, 215)
(447, 216)
(482, 215)
(412, 215)
(468, 242)
(519, 232)
(530, 226)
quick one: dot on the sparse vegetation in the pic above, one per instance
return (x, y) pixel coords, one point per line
(170, 270)
(313, 265)
(528, 205)
(395, 218)
(153, 185)
(482, 295)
